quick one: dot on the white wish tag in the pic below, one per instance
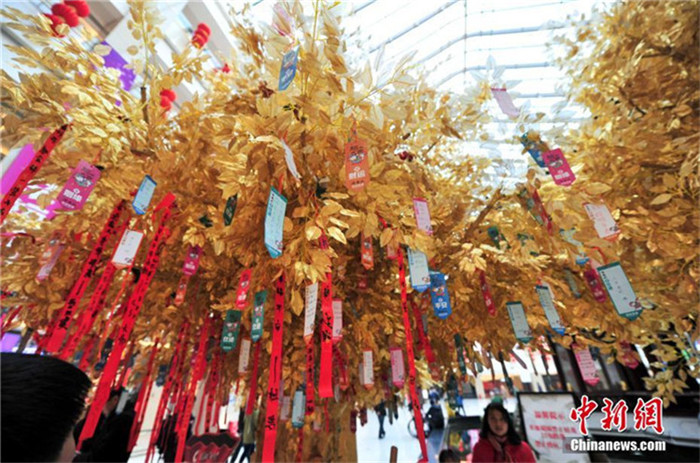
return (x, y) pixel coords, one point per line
(337, 320)
(128, 247)
(420, 209)
(521, 328)
(603, 221)
(286, 408)
(620, 290)
(418, 267)
(244, 355)
(311, 302)
(289, 158)
(550, 311)
(368, 367)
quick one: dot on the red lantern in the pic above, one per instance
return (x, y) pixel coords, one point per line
(81, 7)
(201, 35)
(67, 12)
(167, 96)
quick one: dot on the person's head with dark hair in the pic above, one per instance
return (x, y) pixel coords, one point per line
(497, 423)
(448, 455)
(42, 399)
(111, 404)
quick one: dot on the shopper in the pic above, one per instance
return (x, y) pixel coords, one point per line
(380, 410)
(498, 441)
(42, 398)
(110, 442)
(448, 456)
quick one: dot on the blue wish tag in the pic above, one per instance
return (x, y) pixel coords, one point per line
(531, 147)
(274, 222)
(288, 69)
(144, 195)
(439, 295)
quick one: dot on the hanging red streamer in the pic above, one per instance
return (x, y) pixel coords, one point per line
(174, 374)
(184, 417)
(300, 445)
(325, 380)
(30, 171)
(87, 353)
(423, 342)
(486, 293)
(89, 315)
(250, 406)
(142, 400)
(310, 377)
(57, 333)
(133, 308)
(273, 381)
(417, 413)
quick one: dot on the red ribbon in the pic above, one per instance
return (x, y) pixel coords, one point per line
(89, 315)
(325, 380)
(273, 392)
(87, 353)
(142, 400)
(30, 171)
(344, 383)
(486, 293)
(125, 366)
(423, 342)
(417, 414)
(175, 367)
(133, 308)
(184, 417)
(10, 318)
(250, 406)
(58, 332)
(300, 445)
(310, 377)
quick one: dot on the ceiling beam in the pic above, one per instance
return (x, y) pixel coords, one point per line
(519, 30)
(414, 25)
(506, 66)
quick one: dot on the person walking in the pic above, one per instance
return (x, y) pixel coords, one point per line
(380, 410)
(110, 442)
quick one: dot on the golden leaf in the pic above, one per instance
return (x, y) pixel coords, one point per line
(661, 199)
(337, 234)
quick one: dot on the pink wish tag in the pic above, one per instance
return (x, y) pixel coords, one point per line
(505, 102)
(79, 186)
(191, 264)
(559, 167)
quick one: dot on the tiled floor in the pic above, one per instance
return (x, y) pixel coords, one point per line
(371, 449)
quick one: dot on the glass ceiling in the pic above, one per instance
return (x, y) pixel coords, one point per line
(456, 43)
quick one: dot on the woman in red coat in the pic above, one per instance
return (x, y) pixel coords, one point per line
(498, 441)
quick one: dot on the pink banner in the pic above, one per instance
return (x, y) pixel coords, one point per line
(586, 366)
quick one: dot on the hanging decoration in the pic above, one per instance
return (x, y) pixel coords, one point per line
(30, 171)
(77, 189)
(521, 328)
(232, 326)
